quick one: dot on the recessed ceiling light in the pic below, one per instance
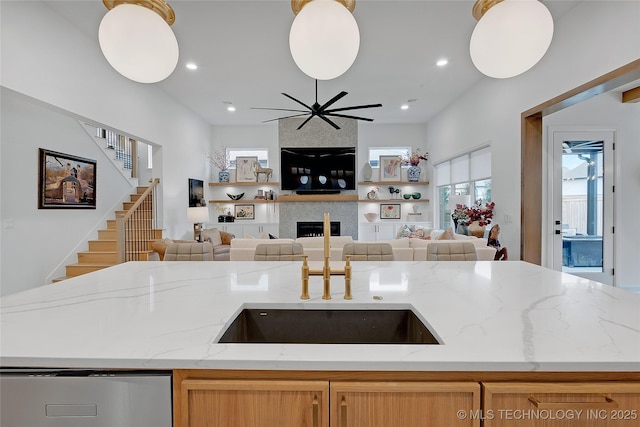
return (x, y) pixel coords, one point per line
(442, 62)
(231, 108)
(404, 107)
(192, 66)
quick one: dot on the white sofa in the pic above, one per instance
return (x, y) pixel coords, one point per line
(484, 252)
(243, 249)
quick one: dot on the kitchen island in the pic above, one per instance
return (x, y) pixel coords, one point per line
(496, 321)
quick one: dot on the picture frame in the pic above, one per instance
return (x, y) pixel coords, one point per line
(196, 193)
(390, 211)
(66, 181)
(242, 212)
(390, 167)
(245, 168)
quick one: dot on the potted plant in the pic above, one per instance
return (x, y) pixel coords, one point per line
(222, 161)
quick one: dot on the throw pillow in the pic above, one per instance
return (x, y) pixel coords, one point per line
(404, 231)
(212, 235)
(447, 235)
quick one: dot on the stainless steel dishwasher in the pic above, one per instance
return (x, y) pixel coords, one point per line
(72, 398)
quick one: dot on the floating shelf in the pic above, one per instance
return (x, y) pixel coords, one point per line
(244, 184)
(243, 201)
(381, 183)
(318, 198)
(393, 200)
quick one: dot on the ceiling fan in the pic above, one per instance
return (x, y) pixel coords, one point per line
(322, 111)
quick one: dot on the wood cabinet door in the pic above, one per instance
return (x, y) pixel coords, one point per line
(399, 404)
(561, 404)
(245, 403)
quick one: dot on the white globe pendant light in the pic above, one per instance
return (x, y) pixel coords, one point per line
(511, 36)
(324, 38)
(137, 41)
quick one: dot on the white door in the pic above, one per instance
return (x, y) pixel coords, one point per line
(582, 203)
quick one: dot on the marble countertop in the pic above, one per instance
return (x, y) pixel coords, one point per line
(490, 316)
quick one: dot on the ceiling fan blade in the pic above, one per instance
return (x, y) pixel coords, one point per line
(279, 109)
(299, 102)
(285, 117)
(335, 126)
(305, 122)
(355, 107)
(349, 117)
(332, 100)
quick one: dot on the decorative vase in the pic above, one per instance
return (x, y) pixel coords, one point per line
(462, 229)
(477, 230)
(367, 172)
(223, 176)
(413, 173)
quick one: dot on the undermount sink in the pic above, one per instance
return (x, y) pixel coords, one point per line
(327, 326)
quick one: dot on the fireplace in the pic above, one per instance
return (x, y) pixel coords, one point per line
(316, 228)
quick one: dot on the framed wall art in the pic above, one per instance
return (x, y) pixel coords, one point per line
(196, 193)
(245, 169)
(390, 211)
(244, 212)
(65, 181)
(390, 168)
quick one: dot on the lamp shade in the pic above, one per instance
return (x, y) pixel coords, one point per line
(456, 199)
(198, 215)
(138, 43)
(511, 37)
(324, 39)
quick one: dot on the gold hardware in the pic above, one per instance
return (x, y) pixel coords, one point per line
(160, 7)
(343, 412)
(305, 278)
(607, 404)
(297, 5)
(481, 7)
(347, 278)
(316, 411)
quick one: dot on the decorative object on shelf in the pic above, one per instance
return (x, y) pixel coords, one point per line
(196, 193)
(390, 211)
(373, 194)
(415, 209)
(66, 181)
(367, 172)
(511, 36)
(245, 212)
(390, 168)
(259, 170)
(235, 196)
(150, 53)
(245, 168)
(413, 160)
(407, 196)
(198, 216)
(416, 195)
(394, 192)
(371, 216)
(222, 161)
(226, 218)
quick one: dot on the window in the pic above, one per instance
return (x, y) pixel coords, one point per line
(466, 175)
(376, 152)
(149, 157)
(261, 153)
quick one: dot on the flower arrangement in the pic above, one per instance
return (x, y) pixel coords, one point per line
(415, 158)
(482, 214)
(459, 215)
(220, 159)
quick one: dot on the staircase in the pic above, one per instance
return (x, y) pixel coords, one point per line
(103, 252)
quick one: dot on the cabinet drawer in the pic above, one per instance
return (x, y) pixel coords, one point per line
(561, 404)
(405, 404)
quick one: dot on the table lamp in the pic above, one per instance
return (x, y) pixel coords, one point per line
(198, 215)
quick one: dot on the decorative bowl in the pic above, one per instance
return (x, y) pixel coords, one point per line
(235, 196)
(371, 216)
(416, 195)
(406, 196)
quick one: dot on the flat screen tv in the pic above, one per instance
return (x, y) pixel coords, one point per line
(318, 170)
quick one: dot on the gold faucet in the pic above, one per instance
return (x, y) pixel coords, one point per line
(326, 271)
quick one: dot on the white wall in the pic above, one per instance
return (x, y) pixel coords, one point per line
(490, 112)
(607, 111)
(46, 58)
(37, 242)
